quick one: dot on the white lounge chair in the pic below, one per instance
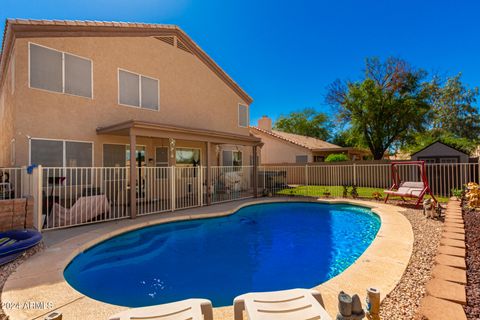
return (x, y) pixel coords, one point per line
(83, 210)
(295, 304)
(190, 309)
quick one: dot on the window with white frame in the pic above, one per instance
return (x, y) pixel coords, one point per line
(58, 71)
(61, 153)
(137, 90)
(188, 157)
(242, 115)
(232, 158)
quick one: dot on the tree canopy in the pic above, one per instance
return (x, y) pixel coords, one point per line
(307, 122)
(385, 107)
(453, 111)
(453, 119)
(394, 106)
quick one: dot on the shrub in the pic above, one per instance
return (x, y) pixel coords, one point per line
(345, 190)
(377, 195)
(457, 193)
(354, 192)
(336, 157)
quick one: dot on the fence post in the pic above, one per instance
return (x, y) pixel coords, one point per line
(354, 174)
(172, 187)
(264, 179)
(306, 179)
(478, 175)
(200, 186)
(37, 188)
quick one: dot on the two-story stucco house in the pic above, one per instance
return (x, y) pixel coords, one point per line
(77, 94)
(81, 93)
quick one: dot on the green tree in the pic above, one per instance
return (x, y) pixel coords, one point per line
(346, 138)
(454, 118)
(387, 106)
(453, 107)
(425, 139)
(307, 122)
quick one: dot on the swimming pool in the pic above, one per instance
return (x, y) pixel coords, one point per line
(261, 247)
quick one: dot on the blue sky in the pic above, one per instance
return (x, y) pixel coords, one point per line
(285, 53)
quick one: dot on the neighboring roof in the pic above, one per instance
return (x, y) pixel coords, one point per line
(431, 144)
(310, 143)
(22, 28)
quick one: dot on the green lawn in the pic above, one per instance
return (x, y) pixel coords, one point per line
(337, 191)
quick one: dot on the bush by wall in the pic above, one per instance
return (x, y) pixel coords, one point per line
(336, 157)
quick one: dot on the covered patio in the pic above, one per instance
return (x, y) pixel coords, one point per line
(182, 171)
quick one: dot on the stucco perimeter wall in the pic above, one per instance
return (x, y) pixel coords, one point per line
(191, 95)
(277, 151)
(16, 214)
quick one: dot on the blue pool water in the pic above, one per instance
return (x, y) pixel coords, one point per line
(260, 248)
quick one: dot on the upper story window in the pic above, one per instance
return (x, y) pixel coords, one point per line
(61, 72)
(242, 115)
(136, 90)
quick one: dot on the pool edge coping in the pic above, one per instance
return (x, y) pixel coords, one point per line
(388, 265)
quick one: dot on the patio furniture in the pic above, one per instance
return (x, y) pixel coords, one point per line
(294, 304)
(191, 309)
(409, 189)
(85, 209)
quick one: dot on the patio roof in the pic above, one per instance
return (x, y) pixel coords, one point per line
(158, 130)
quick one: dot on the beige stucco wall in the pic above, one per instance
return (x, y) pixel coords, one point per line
(7, 98)
(277, 151)
(191, 94)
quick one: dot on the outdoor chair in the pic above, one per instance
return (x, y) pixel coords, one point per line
(84, 210)
(409, 189)
(294, 304)
(191, 309)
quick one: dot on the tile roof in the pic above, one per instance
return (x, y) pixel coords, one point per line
(302, 141)
(113, 26)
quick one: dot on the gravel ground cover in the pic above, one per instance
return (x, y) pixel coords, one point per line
(7, 270)
(404, 300)
(472, 237)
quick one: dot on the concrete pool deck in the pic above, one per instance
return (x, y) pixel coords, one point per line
(38, 287)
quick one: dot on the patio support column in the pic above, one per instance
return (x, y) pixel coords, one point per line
(255, 172)
(133, 175)
(208, 174)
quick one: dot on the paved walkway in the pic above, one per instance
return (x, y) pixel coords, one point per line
(446, 290)
(40, 278)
